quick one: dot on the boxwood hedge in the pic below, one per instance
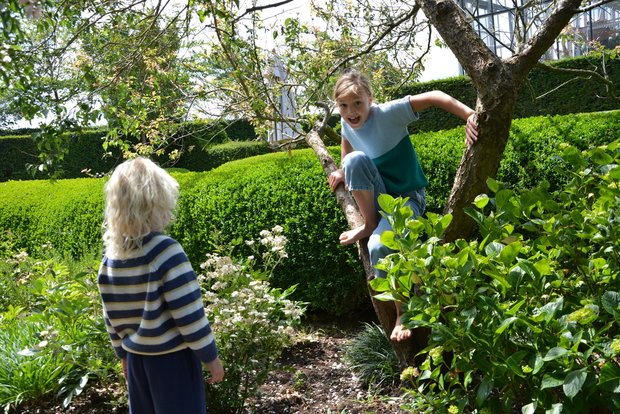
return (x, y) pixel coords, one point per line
(240, 198)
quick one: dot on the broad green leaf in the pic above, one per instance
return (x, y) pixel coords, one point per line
(388, 240)
(611, 301)
(510, 252)
(573, 382)
(551, 380)
(505, 324)
(554, 353)
(387, 203)
(379, 284)
(388, 297)
(555, 409)
(494, 248)
(502, 198)
(492, 184)
(600, 157)
(484, 389)
(514, 362)
(481, 201)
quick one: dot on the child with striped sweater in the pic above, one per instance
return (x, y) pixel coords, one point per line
(152, 303)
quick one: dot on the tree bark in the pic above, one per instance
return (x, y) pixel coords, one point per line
(386, 312)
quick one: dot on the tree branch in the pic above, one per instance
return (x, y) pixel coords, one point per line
(594, 6)
(543, 38)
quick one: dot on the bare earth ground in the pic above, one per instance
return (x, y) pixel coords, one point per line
(310, 378)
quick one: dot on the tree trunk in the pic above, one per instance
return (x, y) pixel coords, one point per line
(496, 82)
(386, 312)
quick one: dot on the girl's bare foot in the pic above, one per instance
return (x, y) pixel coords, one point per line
(358, 233)
(400, 333)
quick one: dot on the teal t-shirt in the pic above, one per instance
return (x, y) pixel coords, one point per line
(384, 138)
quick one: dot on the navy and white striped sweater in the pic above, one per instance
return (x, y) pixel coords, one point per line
(152, 303)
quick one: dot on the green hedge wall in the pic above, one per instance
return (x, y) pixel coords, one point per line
(85, 152)
(576, 97)
(238, 199)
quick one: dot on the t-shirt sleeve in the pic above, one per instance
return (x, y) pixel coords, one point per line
(399, 112)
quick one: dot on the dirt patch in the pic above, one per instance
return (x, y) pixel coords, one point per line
(311, 377)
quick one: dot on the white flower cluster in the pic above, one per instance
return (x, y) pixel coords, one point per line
(275, 241)
(252, 321)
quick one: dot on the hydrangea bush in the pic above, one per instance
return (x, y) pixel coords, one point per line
(252, 321)
(525, 317)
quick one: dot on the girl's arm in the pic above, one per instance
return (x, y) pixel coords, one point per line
(447, 103)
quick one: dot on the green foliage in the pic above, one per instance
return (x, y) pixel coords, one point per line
(52, 330)
(252, 321)
(371, 356)
(526, 317)
(65, 213)
(197, 141)
(239, 199)
(531, 156)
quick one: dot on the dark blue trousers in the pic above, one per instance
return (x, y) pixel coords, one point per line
(166, 384)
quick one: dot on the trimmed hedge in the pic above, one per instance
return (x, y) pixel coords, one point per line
(531, 155)
(85, 152)
(238, 199)
(576, 97)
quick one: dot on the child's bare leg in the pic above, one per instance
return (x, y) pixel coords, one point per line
(399, 333)
(366, 202)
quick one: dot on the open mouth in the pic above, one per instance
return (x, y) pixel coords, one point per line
(354, 121)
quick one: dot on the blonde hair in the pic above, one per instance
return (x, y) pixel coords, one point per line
(352, 82)
(140, 198)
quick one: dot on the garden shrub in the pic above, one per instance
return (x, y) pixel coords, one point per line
(524, 318)
(252, 321)
(371, 357)
(531, 155)
(53, 334)
(241, 198)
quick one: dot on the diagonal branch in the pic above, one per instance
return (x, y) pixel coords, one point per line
(453, 26)
(544, 37)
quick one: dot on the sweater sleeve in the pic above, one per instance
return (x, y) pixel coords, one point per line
(181, 292)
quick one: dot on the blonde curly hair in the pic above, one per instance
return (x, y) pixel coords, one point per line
(140, 198)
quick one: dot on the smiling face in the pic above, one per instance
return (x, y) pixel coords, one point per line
(354, 107)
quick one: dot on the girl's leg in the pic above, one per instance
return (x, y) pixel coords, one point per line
(365, 183)
(169, 384)
(377, 250)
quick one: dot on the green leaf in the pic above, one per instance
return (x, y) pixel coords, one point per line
(510, 252)
(529, 409)
(388, 297)
(505, 324)
(551, 380)
(555, 409)
(388, 239)
(379, 284)
(387, 203)
(611, 302)
(574, 381)
(481, 201)
(600, 157)
(494, 248)
(492, 184)
(554, 353)
(484, 389)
